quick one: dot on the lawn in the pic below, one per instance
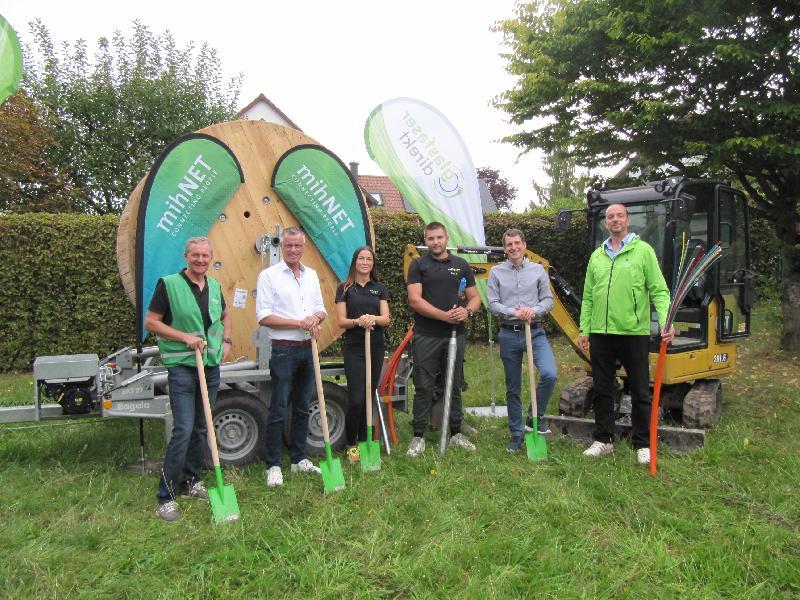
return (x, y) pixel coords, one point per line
(720, 522)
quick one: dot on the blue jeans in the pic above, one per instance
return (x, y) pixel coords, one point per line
(186, 449)
(292, 374)
(512, 347)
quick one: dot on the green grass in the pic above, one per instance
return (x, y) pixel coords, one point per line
(720, 522)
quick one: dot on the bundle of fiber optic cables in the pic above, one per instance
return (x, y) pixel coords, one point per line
(689, 272)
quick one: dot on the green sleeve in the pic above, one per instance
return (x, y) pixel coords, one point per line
(586, 302)
(656, 286)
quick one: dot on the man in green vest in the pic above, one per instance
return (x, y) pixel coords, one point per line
(622, 279)
(188, 311)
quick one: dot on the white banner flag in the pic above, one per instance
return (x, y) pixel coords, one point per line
(425, 157)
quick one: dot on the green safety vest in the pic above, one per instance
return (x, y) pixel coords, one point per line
(186, 317)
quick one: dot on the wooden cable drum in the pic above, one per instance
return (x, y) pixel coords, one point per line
(253, 212)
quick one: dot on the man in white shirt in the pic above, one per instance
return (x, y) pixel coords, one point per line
(289, 304)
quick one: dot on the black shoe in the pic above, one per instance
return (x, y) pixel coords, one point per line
(515, 446)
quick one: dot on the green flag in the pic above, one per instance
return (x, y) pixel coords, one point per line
(10, 61)
(185, 192)
(323, 195)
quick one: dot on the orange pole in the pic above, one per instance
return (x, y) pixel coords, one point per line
(662, 355)
(388, 383)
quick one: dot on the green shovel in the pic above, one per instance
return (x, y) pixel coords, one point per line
(370, 450)
(535, 443)
(332, 474)
(222, 498)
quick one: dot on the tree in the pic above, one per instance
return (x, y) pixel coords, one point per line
(27, 182)
(566, 189)
(110, 117)
(501, 191)
(696, 89)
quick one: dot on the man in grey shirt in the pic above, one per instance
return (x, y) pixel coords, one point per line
(519, 291)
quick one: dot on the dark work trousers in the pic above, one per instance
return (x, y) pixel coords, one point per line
(430, 359)
(632, 351)
(355, 370)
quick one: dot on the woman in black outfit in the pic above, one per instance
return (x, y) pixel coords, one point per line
(362, 302)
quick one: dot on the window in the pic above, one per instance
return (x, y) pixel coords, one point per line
(378, 198)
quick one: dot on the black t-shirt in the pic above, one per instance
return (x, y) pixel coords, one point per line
(363, 300)
(440, 280)
(159, 303)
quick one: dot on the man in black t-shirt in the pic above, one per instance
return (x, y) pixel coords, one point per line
(433, 282)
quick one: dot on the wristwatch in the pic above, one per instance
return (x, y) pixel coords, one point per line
(470, 312)
(227, 341)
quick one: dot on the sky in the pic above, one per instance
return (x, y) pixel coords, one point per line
(327, 65)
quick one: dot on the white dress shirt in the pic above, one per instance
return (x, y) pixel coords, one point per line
(282, 294)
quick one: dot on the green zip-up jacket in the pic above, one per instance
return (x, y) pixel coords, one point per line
(617, 293)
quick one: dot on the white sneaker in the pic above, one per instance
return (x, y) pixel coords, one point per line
(599, 449)
(643, 456)
(274, 477)
(462, 441)
(306, 466)
(416, 447)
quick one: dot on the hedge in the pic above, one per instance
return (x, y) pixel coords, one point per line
(60, 292)
(59, 288)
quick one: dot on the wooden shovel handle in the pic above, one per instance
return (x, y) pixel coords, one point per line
(368, 369)
(212, 434)
(320, 394)
(531, 373)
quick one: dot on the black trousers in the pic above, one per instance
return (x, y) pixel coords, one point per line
(632, 351)
(355, 370)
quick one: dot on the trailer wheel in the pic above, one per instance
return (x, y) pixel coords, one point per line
(576, 397)
(240, 421)
(703, 404)
(336, 404)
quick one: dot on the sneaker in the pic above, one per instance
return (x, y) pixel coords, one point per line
(462, 441)
(168, 511)
(529, 425)
(643, 456)
(515, 446)
(274, 477)
(416, 446)
(543, 428)
(198, 490)
(353, 455)
(598, 449)
(306, 466)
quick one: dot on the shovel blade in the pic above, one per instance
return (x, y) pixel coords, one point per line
(332, 475)
(224, 507)
(536, 446)
(370, 452)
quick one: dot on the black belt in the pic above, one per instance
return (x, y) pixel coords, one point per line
(292, 343)
(521, 326)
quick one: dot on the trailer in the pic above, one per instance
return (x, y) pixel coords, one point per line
(133, 384)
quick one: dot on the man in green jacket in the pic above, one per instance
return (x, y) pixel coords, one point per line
(622, 279)
(188, 311)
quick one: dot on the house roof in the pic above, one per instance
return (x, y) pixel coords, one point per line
(268, 102)
(380, 184)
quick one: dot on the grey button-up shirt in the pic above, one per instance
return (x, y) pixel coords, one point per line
(513, 287)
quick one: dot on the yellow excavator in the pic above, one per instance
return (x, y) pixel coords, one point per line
(712, 318)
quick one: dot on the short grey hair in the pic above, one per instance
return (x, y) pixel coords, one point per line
(198, 240)
(292, 231)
